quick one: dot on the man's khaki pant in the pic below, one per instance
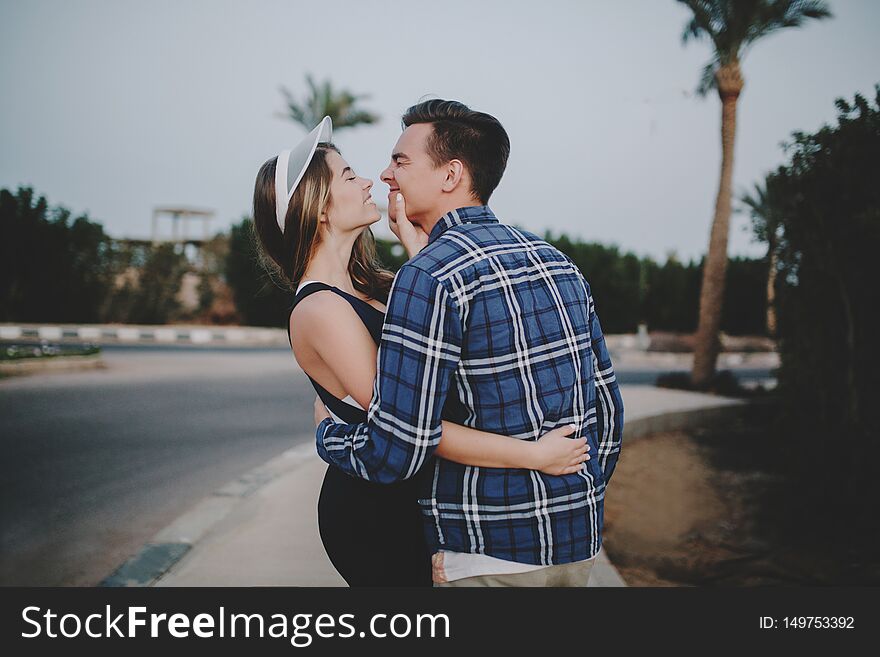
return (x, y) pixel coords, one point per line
(567, 574)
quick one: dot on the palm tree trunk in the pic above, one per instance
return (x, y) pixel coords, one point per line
(706, 345)
(771, 292)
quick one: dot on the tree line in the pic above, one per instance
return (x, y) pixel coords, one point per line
(60, 268)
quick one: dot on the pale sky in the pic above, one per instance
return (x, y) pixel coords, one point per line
(112, 107)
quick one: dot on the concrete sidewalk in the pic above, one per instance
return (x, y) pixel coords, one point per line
(261, 529)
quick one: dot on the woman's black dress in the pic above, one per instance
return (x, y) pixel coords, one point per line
(372, 532)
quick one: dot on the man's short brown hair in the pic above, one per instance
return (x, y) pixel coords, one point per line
(459, 133)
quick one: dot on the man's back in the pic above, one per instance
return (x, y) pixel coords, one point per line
(532, 358)
(490, 327)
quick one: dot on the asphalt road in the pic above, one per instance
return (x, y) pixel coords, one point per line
(96, 462)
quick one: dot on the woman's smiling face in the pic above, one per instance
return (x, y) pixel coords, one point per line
(351, 204)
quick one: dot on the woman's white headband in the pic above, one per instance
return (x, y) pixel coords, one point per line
(291, 165)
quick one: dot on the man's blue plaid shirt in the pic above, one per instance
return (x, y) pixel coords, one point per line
(493, 328)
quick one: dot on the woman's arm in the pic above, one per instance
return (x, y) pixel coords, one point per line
(333, 330)
(553, 453)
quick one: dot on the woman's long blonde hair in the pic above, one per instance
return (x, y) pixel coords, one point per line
(286, 256)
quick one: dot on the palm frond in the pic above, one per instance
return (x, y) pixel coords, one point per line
(705, 22)
(322, 100)
(770, 17)
(707, 78)
(764, 207)
(733, 25)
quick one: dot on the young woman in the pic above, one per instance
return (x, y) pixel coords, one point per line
(312, 214)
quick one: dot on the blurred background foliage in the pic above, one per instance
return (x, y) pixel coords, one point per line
(826, 202)
(60, 269)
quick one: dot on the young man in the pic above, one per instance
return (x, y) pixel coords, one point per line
(491, 327)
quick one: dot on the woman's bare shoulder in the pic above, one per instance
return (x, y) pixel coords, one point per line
(320, 312)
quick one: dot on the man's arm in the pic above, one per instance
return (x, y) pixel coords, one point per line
(418, 353)
(609, 403)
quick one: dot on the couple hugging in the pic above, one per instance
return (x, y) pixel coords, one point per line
(467, 406)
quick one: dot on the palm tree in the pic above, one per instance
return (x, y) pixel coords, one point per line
(732, 26)
(323, 100)
(765, 226)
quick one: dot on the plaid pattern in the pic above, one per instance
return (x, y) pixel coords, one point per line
(491, 327)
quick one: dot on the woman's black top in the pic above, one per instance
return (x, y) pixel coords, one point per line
(373, 533)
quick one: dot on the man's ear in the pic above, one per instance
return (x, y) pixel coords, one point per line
(455, 174)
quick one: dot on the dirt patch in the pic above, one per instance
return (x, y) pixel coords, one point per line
(685, 510)
(663, 497)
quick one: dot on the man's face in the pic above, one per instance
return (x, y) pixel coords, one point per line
(414, 175)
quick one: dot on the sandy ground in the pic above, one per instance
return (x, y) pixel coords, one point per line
(672, 520)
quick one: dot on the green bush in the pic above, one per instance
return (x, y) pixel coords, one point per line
(828, 199)
(155, 298)
(259, 300)
(52, 268)
(57, 269)
(629, 290)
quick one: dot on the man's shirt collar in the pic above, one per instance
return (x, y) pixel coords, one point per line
(478, 214)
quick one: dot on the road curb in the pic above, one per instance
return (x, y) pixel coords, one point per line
(51, 364)
(147, 334)
(175, 540)
(695, 418)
